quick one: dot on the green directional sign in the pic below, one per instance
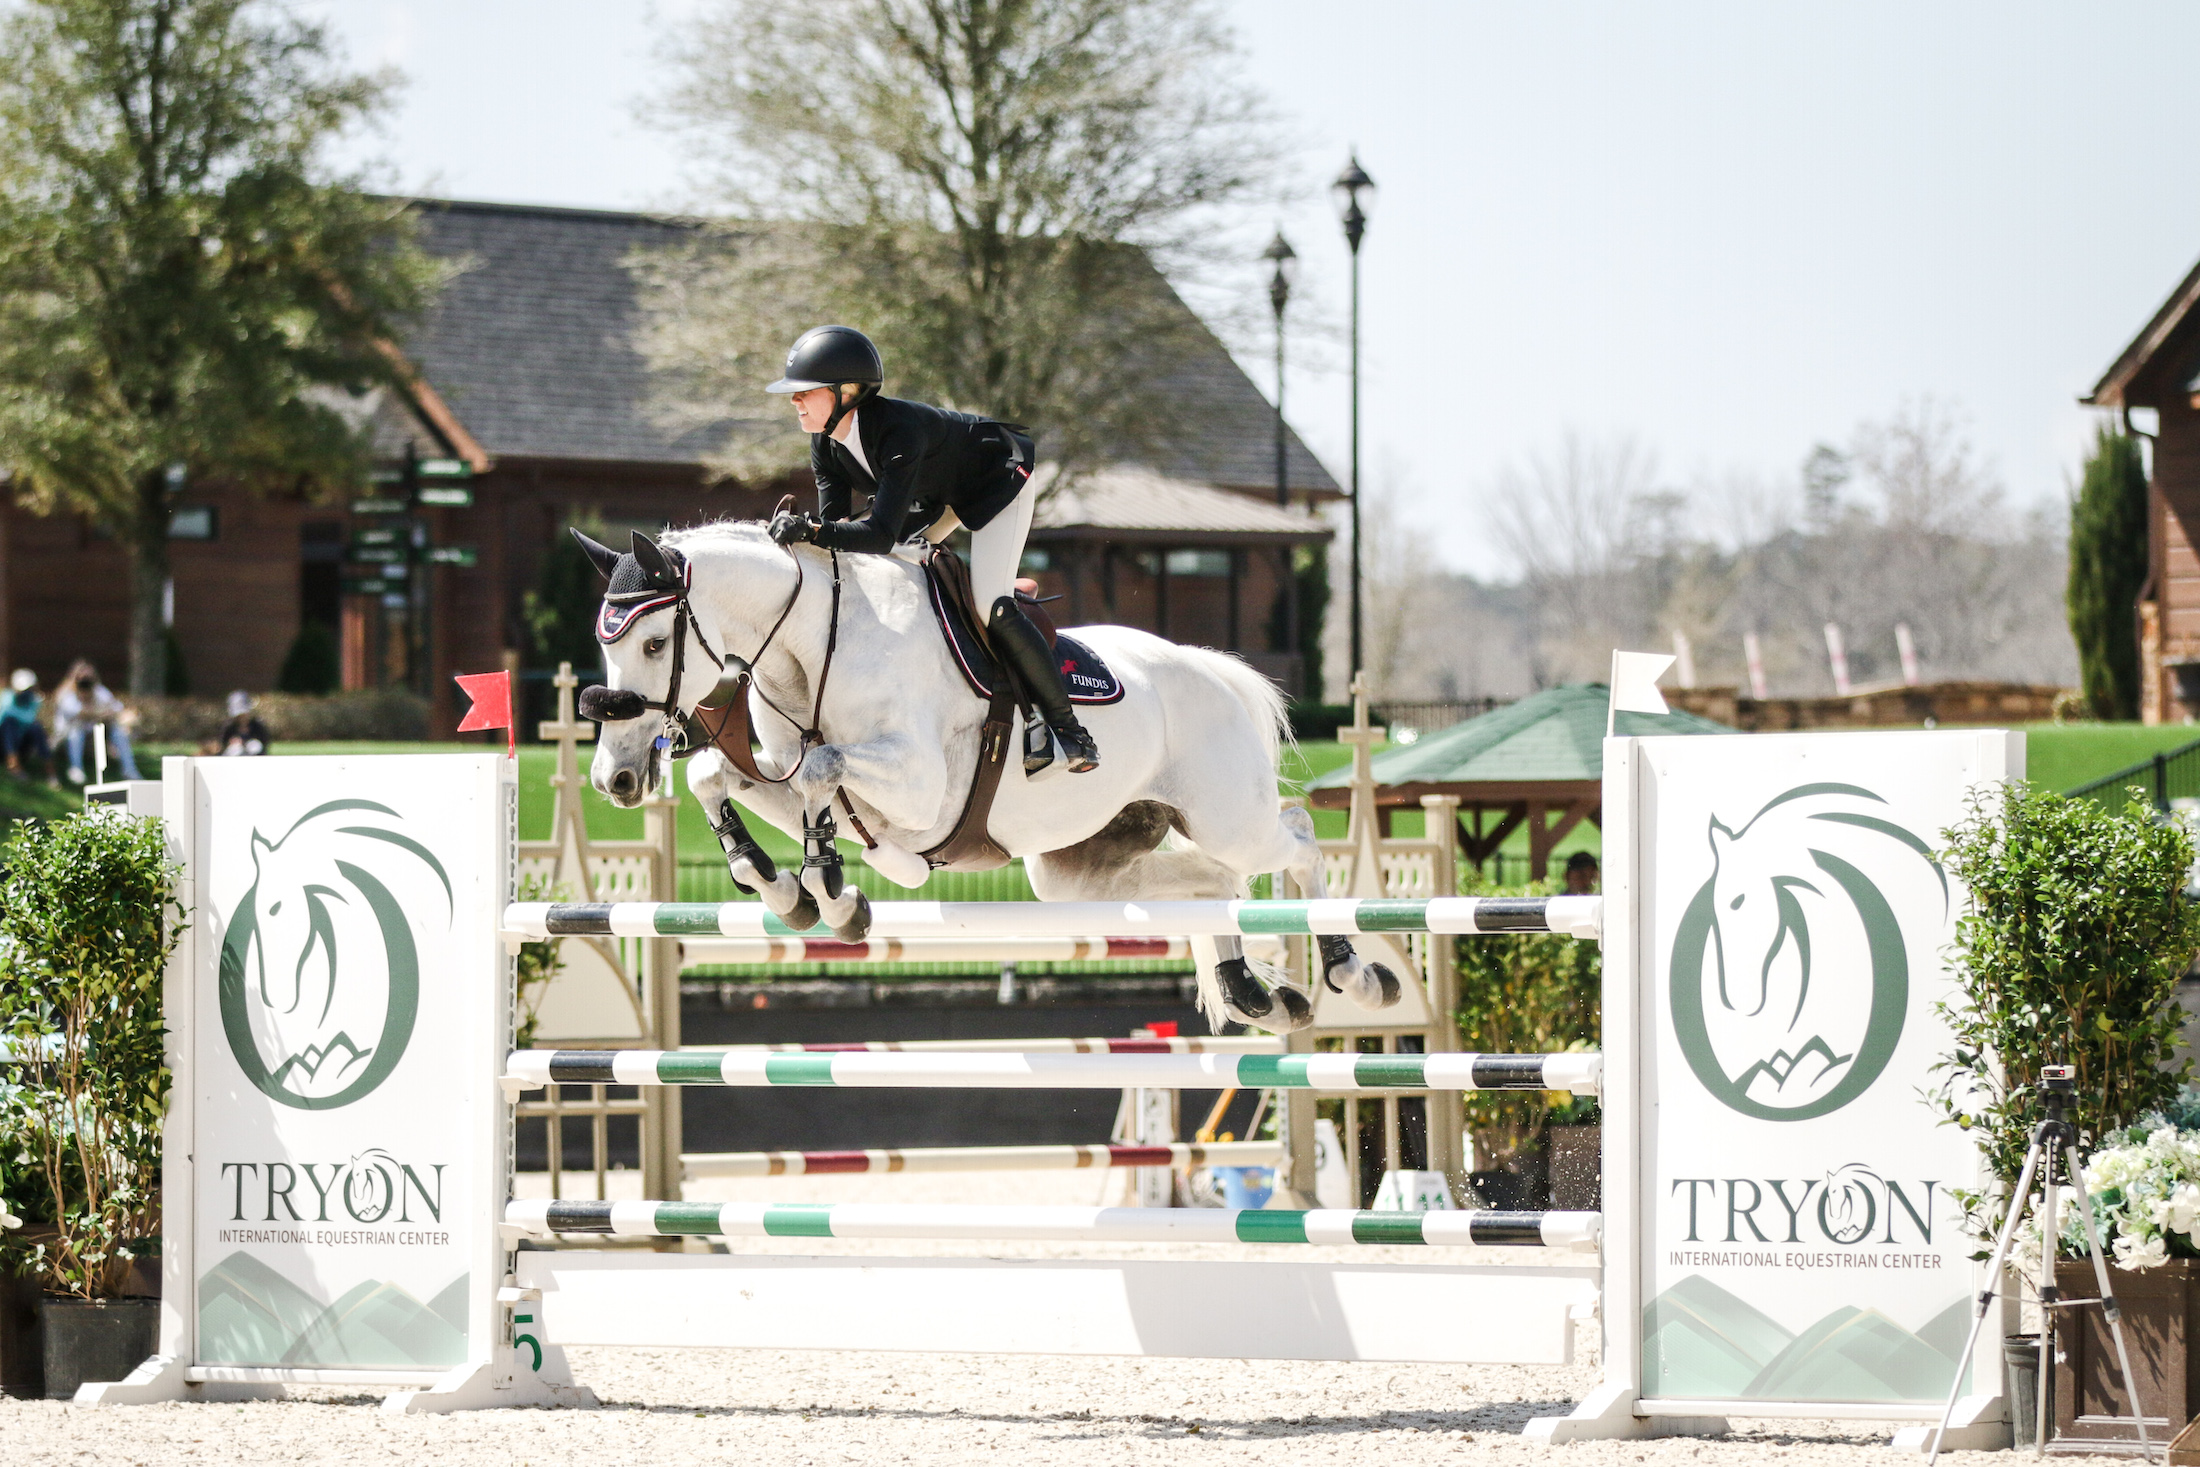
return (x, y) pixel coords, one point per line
(445, 468)
(379, 506)
(377, 535)
(460, 555)
(376, 554)
(447, 496)
(386, 476)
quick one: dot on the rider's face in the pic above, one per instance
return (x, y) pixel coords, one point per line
(813, 408)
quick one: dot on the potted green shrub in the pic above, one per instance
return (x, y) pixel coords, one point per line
(88, 917)
(1530, 995)
(2069, 953)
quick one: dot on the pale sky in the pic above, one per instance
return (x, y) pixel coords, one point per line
(1729, 229)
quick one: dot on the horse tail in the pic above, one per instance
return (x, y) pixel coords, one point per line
(1263, 700)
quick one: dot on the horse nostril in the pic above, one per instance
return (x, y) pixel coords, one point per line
(623, 783)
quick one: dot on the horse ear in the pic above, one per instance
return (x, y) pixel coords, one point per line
(606, 559)
(650, 557)
(1721, 838)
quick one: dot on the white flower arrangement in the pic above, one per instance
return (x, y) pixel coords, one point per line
(2145, 1191)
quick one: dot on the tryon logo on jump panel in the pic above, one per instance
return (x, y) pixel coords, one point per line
(1790, 974)
(320, 970)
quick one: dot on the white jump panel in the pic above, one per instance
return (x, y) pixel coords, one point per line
(1454, 1314)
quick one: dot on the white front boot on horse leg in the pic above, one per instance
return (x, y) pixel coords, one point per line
(1370, 985)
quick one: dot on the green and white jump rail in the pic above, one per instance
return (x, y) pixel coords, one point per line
(1571, 1231)
(1580, 1073)
(927, 1159)
(1576, 916)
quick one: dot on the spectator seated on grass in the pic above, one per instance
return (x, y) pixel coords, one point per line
(22, 733)
(83, 703)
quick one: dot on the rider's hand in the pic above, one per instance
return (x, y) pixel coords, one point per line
(792, 526)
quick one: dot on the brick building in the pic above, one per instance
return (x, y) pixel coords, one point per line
(532, 404)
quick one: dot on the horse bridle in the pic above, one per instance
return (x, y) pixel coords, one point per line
(673, 585)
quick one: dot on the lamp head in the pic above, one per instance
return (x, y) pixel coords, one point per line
(1354, 193)
(1285, 261)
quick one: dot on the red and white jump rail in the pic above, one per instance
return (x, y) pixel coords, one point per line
(1572, 1231)
(1581, 1073)
(989, 950)
(1175, 1154)
(1576, 916)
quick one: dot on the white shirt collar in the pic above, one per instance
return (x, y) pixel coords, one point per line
(854, 444)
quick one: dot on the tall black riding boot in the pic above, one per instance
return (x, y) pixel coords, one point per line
(1021, 645)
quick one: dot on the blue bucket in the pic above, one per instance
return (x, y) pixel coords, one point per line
(1246, 1186)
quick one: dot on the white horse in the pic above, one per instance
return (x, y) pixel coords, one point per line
(1183, 806)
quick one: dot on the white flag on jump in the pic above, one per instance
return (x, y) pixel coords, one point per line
(1635, 683)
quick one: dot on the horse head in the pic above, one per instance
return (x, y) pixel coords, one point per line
(292, 901)
(653, 663)
(1759, 928)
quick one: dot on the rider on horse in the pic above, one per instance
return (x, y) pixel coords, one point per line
(928, 471)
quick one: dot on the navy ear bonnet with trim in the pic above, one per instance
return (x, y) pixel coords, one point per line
(644, 579)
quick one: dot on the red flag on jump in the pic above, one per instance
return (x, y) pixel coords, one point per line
(492, 695)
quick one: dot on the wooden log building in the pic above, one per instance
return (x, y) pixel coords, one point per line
(2160, 370)
(531, 412)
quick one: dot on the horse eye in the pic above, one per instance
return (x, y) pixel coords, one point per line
(654, 646)
(1736, 904)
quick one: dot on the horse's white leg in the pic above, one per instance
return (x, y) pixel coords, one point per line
(903, 779)
(715, 782)
(1370, 985)
(1120, 863)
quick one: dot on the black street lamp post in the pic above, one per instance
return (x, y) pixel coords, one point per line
(1348, 189)
(1285, 261)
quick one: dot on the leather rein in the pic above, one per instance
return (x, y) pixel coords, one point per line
(729, 732)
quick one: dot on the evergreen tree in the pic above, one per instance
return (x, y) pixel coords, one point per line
(2108, 565)
(314, 663)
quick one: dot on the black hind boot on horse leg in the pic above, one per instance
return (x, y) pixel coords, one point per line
(1370, 985)
(1021, 645)
(1246, 999)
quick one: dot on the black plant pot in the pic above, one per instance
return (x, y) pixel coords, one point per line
(22, 1358)
(96, 1340)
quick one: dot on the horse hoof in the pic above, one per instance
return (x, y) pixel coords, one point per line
(858, 925)
(1392, 991)
(1297, 1012)
(803, 915)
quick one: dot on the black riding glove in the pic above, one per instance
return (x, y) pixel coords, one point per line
(791, 526)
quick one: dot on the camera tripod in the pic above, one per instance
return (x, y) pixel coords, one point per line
(2054, 1137)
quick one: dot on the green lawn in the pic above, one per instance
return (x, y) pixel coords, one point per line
(2062, 757)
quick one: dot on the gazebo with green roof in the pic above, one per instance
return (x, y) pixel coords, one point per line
(1538, 762)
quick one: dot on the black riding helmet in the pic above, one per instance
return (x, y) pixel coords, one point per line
(833, 356)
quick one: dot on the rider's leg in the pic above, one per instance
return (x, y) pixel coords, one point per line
(996, 553)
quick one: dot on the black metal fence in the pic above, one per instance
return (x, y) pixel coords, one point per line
(2173, 774)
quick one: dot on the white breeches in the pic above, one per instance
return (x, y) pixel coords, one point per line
(996, 552)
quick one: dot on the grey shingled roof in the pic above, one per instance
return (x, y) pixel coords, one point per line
(1138, 499)
(531, 346)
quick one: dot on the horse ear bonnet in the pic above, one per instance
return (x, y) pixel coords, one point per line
(646, 578)
(603, 557)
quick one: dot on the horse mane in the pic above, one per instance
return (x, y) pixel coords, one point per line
(717, 531)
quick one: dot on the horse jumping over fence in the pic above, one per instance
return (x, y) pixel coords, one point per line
(855, 698)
